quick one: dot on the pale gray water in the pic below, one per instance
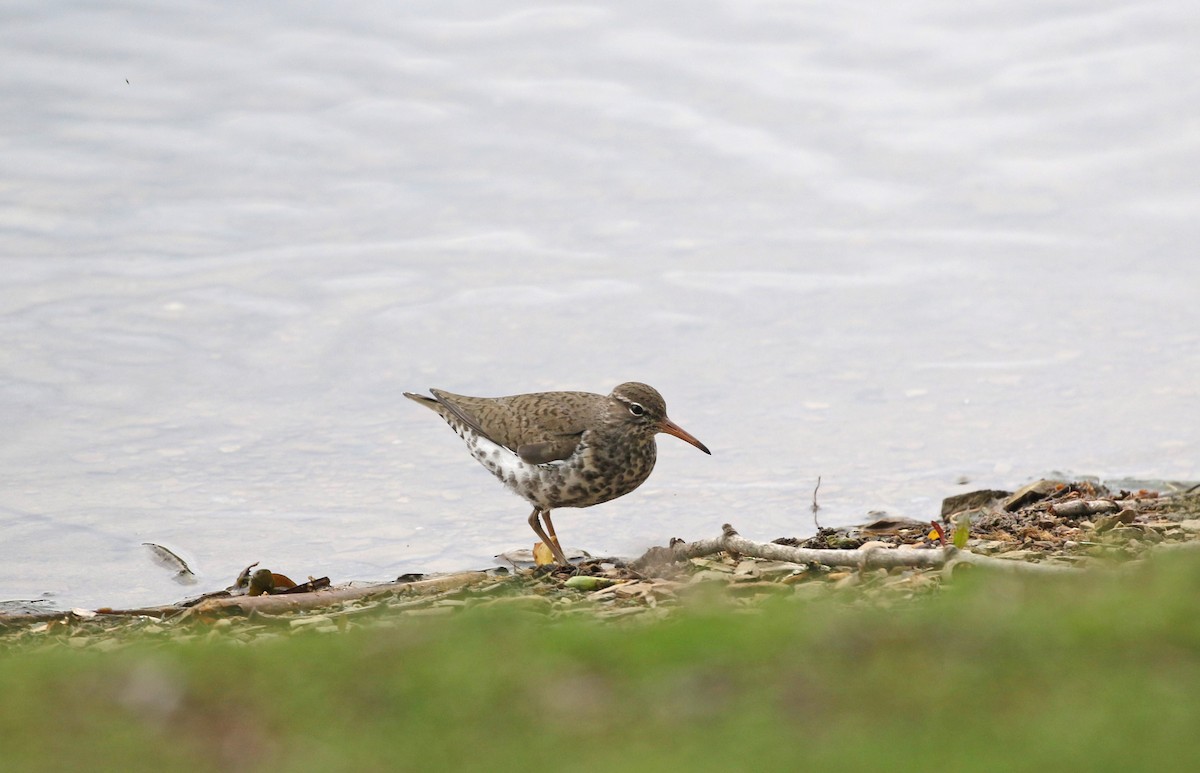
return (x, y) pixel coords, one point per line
(892, 246)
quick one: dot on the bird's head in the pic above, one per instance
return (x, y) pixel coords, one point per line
(642, 407)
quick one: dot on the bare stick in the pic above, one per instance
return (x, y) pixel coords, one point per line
(815, 506)
(863, 558)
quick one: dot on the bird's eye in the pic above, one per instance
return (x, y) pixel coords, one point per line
(636, 409)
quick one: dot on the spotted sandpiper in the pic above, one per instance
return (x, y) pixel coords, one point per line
(562, 449)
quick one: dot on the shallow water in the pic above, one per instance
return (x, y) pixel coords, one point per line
(898, 250)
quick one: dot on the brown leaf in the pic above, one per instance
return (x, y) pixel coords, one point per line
(282, 582)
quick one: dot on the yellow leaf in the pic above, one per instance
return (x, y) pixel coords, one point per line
(542, 554)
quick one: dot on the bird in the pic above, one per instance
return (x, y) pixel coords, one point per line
(562, 449)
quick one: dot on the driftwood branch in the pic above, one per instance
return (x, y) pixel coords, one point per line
(295, 602)
(266, 604)
(863, 558)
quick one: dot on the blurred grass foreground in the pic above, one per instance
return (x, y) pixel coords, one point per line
(1095, 672)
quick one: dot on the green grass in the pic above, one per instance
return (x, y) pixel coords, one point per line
(1095, 673)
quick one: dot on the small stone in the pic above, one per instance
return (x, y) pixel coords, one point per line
(1081, 508)
(779, 569)
(973, 500)
(1019, 555)
(711, 565)
(628, 590)
(1151, 535)
(1033, 492)
(1110, 521)
(747, 568)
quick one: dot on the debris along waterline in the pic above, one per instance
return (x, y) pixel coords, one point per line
(1049, 527)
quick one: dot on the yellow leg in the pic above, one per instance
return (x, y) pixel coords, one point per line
(551, 540)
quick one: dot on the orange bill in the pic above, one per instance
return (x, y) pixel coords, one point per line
(671, 428)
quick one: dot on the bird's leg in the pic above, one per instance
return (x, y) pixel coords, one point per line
(550, 542)
(553, 536)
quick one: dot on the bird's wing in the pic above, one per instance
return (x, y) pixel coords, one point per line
(546, 427)
(547, 451)
(539, 432)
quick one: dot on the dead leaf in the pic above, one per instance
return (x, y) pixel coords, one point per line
(304, 587)
(282, 582)
(542, 555)
(168, 559)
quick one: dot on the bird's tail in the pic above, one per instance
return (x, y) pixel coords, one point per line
(424, 400)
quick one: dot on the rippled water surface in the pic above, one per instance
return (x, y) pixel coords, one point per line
(899, 249)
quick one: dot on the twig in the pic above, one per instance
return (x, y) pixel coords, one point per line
(862, 558)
